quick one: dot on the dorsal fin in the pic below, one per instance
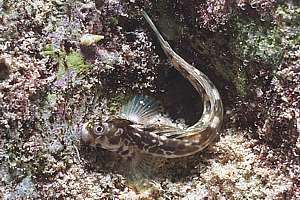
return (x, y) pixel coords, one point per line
(141, 109)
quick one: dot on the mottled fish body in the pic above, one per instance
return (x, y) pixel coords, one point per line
(136, 129)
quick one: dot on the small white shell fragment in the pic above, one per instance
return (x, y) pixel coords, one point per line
(89, 39)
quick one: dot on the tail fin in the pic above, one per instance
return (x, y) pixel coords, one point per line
(163, 42)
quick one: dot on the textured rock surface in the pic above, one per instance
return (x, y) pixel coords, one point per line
(50, 84)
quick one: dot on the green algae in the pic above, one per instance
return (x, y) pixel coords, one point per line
(114, 21)
(72, 60)
(50, 50)
(257, 41)
(289, 17)
(240, 81)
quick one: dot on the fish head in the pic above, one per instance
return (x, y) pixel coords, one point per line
(103, 133)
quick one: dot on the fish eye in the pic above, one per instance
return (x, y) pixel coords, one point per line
(99, 129)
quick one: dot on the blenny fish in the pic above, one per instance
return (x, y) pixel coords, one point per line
(136, 130)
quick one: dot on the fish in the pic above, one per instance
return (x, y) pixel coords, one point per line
(136, 128)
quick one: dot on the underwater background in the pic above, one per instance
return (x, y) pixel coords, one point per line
(64, 62)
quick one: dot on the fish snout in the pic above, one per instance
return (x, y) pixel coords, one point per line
(85, 134)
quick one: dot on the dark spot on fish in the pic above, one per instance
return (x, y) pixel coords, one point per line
(169, 147)
(126, 152)
(156, 150)
(181, 146)
(135, 137)
(160, 151)
(169, 153)
(114, 140)
(126, 142)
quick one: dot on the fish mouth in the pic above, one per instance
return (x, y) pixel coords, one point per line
(86, 135)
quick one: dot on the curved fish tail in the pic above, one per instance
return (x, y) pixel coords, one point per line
(204, 132)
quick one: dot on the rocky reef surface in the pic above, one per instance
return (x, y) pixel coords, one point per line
(63, 62)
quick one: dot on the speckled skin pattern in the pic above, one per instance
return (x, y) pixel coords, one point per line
(127, 138)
